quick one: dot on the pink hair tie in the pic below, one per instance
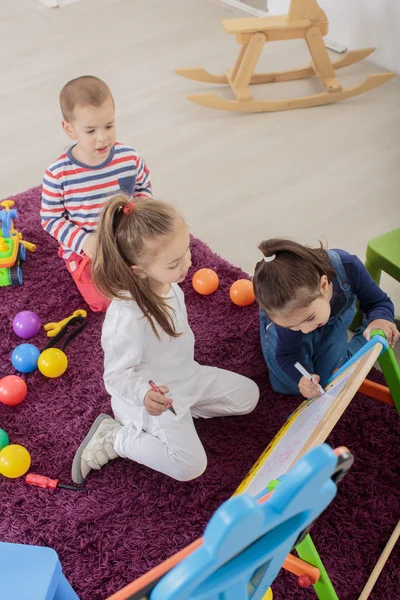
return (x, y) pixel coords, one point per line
(128, 208)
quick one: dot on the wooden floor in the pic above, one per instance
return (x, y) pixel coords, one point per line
(327, 173)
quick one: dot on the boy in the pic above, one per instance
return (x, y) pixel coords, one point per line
(76, 186)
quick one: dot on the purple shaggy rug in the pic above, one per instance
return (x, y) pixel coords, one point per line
(133, 518)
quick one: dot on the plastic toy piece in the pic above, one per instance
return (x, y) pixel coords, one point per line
(305, 20)
(12, 247)
(52, 484)
(15, 460)
(54, 329)
(26, 324)
(304, 581)
(53, 362)
(13, 390)
(248, 539)
(205, 281)
(391, 370)
(377, 391)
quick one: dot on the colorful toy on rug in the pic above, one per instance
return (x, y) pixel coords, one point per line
(13, 390)
(4, 441)
(24, 358)
(12, 247)
(15, 461)
(249, 539)
(242, 292)
(51, 484)
(305, 20)
(26, 324)
(53, 362)
(205, 281)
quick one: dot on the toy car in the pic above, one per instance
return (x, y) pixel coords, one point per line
(12, 247)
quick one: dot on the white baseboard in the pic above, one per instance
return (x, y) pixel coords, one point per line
(335, 46)
(57, 3)
(246, 8)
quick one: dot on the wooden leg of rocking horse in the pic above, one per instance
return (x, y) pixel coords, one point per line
(243, 70)
(321, 61)
(232, 74)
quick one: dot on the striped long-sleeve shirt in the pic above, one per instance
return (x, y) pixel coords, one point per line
(73, 194)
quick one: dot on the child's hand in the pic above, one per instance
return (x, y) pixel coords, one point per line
(89, 247)
(156, 403)
(309, 388)
(387, 327)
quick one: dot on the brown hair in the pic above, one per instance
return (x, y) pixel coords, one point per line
(83, 91)
(121, 243)
(291, 280)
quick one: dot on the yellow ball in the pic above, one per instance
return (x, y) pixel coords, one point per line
(15, 460)
(52, 363)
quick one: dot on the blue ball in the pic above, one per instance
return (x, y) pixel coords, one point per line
(25, 358)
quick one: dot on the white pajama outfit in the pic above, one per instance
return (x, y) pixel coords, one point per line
(133, 356)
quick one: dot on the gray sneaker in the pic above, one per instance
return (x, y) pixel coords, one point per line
(97, 449)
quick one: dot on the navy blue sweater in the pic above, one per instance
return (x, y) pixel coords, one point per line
(374, 303)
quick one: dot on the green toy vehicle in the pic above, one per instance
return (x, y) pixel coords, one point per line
(12, 247)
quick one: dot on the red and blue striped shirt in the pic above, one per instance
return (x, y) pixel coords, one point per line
(73, 194)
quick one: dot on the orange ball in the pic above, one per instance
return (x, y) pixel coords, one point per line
(205, 281)
(242, 292)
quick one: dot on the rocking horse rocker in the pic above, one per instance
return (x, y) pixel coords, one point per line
(305, 20)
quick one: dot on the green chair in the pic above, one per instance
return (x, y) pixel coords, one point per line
(383, 254)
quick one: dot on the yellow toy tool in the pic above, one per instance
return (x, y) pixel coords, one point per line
(54, 329)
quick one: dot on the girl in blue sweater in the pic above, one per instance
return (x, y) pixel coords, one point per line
(307, 299)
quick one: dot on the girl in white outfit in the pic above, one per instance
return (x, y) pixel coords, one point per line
(142, 254)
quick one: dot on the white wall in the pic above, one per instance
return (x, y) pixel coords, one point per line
(361, 24)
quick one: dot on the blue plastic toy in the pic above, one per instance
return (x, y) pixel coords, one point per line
(248, 540)
(25, 357)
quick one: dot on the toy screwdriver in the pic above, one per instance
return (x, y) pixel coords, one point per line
(47, 483)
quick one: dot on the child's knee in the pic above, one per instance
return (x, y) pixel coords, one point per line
(189, 470)
(96, 302)
(100, 305)
(251, 396)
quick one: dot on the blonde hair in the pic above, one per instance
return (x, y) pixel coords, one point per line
(83, 91)
(121, 243)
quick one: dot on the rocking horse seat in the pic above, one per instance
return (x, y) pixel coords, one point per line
(268, 25)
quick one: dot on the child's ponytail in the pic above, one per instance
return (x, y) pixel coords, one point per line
(288, 275)
(124, 228)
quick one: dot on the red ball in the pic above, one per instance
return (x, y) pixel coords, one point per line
(242, 292)
(13, 390)
(205, 281)
(304, 581)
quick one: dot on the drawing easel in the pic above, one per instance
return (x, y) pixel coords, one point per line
(391, 370)
(248, 539)
(313, 420)
(305, 20)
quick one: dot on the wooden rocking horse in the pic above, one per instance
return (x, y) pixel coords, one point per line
(305, 20)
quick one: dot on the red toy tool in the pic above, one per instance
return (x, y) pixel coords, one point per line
(46, 482)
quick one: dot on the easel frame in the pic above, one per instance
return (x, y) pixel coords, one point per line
(365, 358)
